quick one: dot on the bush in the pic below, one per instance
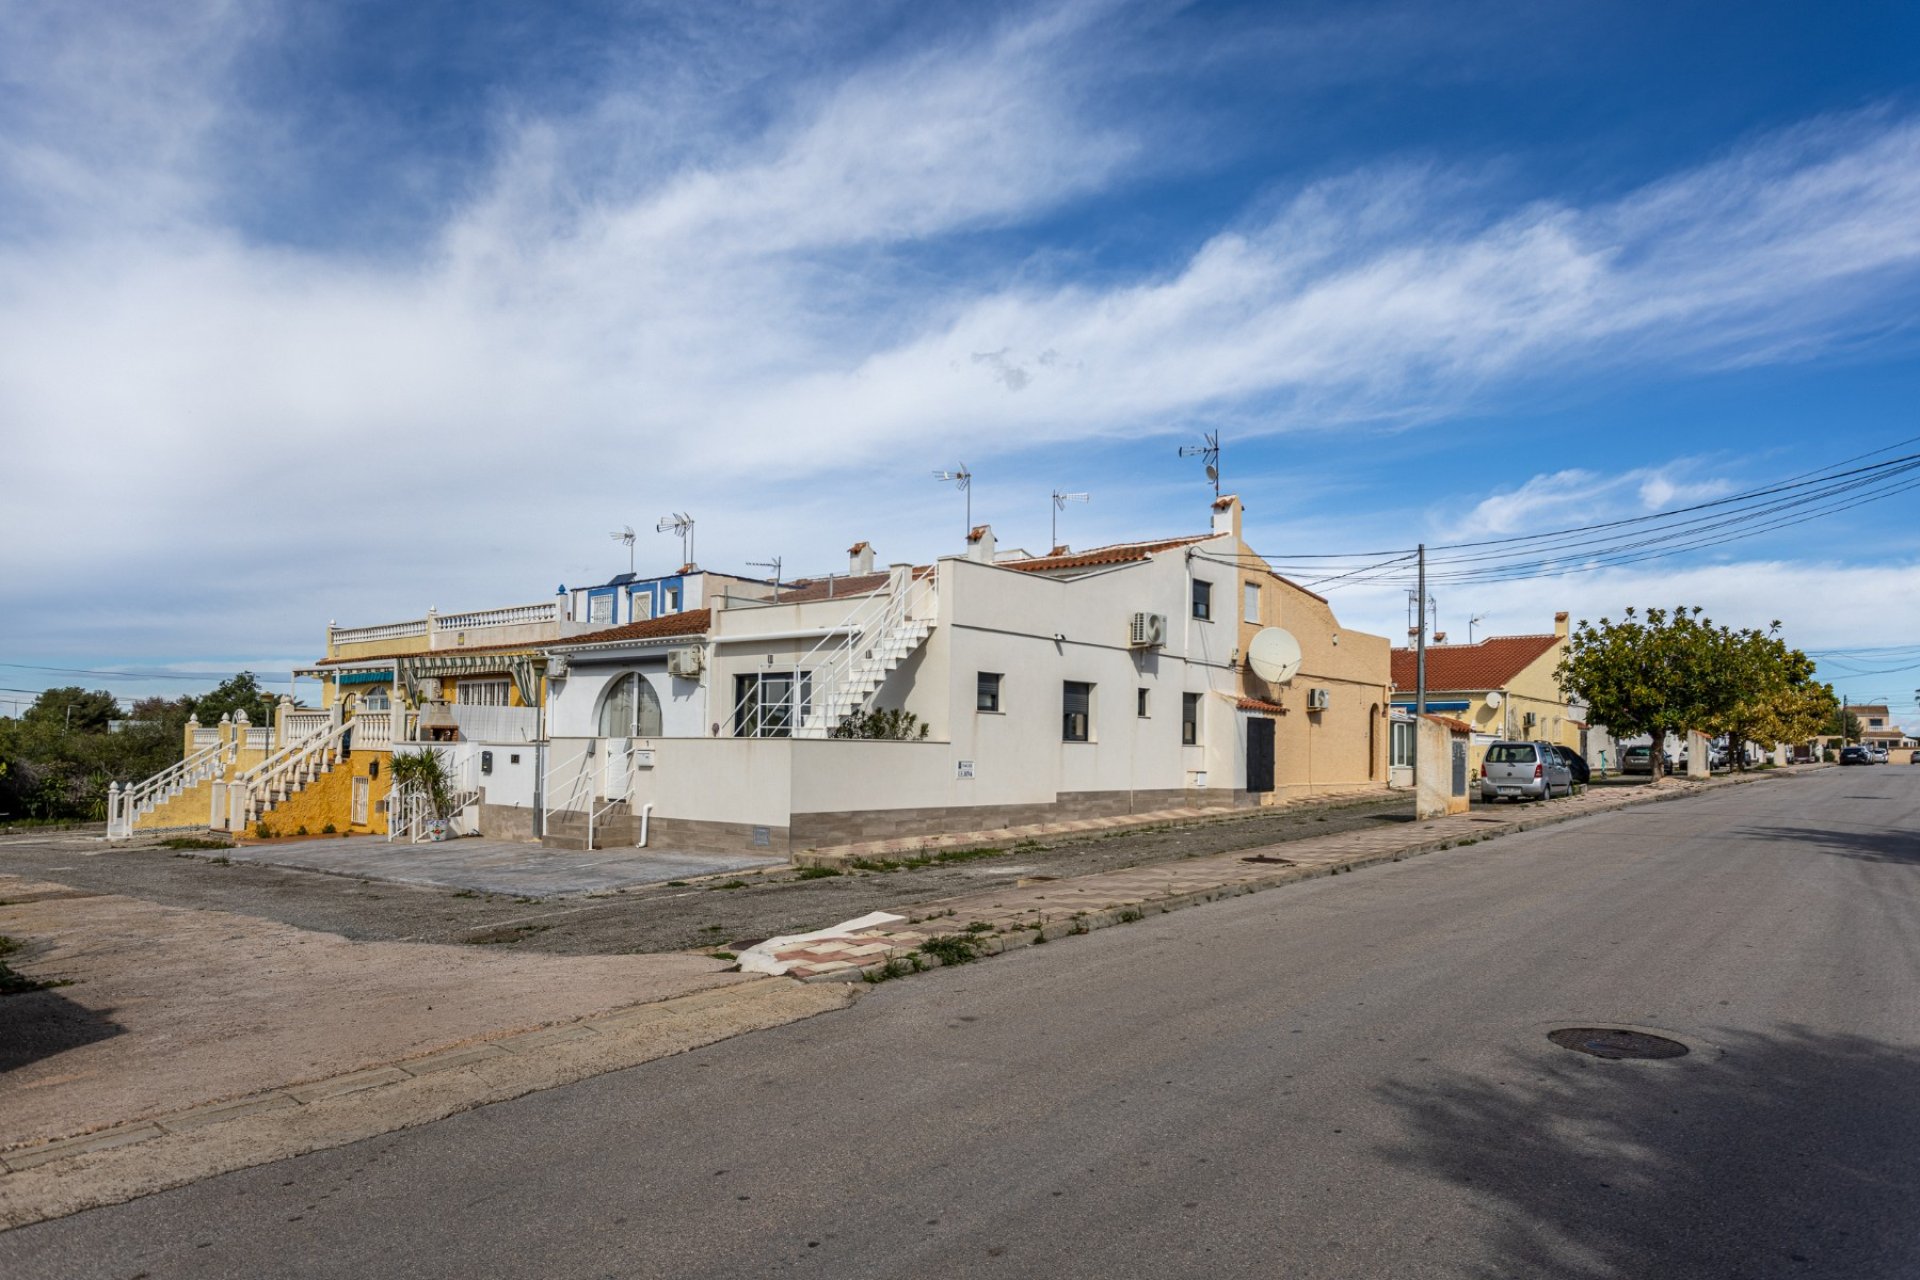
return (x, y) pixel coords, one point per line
(327, 830)
(262, 831)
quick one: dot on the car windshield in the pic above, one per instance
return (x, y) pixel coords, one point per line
(1639, 753)
(1509, 753)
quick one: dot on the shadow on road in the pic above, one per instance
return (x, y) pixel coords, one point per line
(1871, 846)
(1789, 1154)
(39, 1024)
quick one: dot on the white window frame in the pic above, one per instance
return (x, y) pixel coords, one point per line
(485, 693)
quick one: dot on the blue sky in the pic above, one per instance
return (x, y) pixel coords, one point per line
(339, 312)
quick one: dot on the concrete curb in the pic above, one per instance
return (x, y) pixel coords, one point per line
(885, 968)
(121, 1163)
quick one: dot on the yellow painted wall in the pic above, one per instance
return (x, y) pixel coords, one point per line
(379, 648)
(1345, 747)
(188, 809)
(1534, 689)
(329, 798)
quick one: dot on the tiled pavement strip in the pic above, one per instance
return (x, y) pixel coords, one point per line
(1018, 915)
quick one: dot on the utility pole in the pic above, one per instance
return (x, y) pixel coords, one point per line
(1420, 683)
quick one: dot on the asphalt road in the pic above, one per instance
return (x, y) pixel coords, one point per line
(1345, 1078)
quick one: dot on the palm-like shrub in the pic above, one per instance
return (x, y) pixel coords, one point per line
(426, 773)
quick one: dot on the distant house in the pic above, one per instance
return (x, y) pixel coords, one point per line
(1502, 687)
(1877, 728)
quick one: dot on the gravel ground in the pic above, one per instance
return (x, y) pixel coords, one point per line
(673, 917)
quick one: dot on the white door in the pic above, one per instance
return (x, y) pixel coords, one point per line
(360, 802)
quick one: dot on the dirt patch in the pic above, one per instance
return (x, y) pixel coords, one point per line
(167, 1007)
(692, 916)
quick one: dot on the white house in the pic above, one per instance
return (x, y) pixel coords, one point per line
(1102, 682)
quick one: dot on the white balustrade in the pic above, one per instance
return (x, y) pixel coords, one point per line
(300, 723)
(517, 615)
(384, 631)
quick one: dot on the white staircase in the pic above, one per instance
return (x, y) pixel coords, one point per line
(286, 772)
(848, 667)
(127, 805)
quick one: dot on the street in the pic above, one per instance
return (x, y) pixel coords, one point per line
(1347, 1077)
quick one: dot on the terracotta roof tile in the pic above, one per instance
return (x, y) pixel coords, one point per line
(691, 623)
(1118, 553)
(1254, 704)
(1487, 664)
(1458, 726)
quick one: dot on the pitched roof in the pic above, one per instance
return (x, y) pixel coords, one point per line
(1255, 704)
(1457, 726)
(803, 590)
(691, 623)
(1487, 664)
(1118, 553)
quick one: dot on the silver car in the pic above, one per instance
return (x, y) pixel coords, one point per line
(1523, 771)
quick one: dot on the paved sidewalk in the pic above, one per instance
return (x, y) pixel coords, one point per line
(841, 854)
(505, 867)
(1039, 909)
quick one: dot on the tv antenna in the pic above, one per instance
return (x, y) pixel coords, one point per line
(681, 523)
(1060, 501)
(964, 479)
(1210, 450)
(1473, 622)
(773, 564)
(627, 536)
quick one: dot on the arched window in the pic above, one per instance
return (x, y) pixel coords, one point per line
(630, 709)
(375, 699)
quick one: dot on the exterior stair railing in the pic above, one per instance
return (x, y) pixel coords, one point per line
(579, 791)
(846, 668)
(283, 773)
(125, 805)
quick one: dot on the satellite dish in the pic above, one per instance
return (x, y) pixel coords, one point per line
(1274, 655)
(1213, 472)
(1493, 700)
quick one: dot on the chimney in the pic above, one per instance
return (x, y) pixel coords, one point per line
(980, 544)
(1226, 515)
(860, 559)
(1439, 637)
(1560, 623)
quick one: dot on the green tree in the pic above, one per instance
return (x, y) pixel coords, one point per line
(1783, 703)
(74, 710)
(1658, 673)
(234, 695)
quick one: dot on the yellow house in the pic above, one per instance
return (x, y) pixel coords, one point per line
(1502, 686)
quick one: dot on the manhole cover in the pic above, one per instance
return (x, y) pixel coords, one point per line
(1612, 1042)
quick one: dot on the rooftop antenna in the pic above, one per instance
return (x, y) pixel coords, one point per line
(1210, 450)
(964, 479)
(681, 523)
(1473, 622)
(1060, 501)
(627, 536)
(773, 564)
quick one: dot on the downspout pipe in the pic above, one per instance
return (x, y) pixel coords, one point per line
(646, 815)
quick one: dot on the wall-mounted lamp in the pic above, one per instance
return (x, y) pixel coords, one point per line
(373, 768)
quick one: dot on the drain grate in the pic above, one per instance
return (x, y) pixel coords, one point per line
(1615, 1043)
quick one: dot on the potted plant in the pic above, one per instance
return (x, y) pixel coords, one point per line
(424, 774)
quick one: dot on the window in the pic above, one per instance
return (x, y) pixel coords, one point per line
(768, 704)
(1202, 600)
(1190, 718)
(630, 709)
(1250, 602)
(375, 699)
(640, 606)
(673, 600)
(600, 607)
(482, 693)
(987, 692)
(1140, 703)
(1077, 706)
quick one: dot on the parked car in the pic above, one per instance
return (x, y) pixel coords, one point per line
(1523, 771)
(1575, 762)
(1879, 753)
(1914, 758)
(1856, 755)
(1640, 760)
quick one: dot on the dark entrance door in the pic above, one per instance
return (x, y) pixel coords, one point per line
(1259, 754)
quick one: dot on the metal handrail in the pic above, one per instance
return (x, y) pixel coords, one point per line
(546, 788)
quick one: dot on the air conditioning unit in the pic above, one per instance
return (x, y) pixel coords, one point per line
(687, 662)
(1147, 631)
(557, 667)
(1317, 699)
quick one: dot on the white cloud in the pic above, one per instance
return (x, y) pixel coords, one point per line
(259, 437)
